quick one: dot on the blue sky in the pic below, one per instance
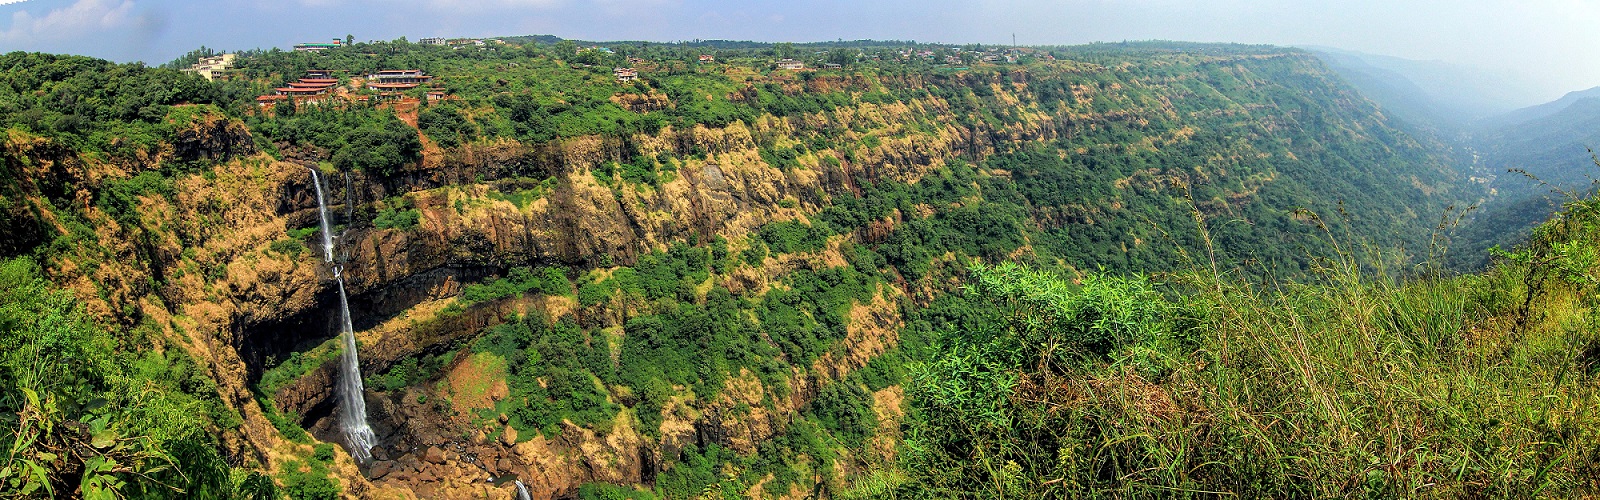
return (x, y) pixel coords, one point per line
(1542, 48)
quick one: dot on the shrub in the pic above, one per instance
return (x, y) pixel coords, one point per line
(793, 236)
(290, 247)
(308, 481)
(397, 213)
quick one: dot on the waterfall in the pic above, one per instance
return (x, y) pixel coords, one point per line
(353, 404)
(322, 210)
(522, 491)
(353, 417)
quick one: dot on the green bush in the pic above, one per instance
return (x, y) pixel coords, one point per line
(606, 491)
(593, 293)
(446, 125)
(311, 483)
(73, 394)
(794, 236)
(844, 409)
(781, 158)
(297, 365)
(120, 198)
(755, 254)
(397, 213)
(546, 281)
(289, 247)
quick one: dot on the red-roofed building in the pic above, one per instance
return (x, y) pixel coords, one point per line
(301, 91)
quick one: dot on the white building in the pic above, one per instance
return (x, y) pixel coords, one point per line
(211, 67)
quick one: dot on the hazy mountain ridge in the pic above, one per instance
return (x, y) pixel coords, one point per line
(1550, 141)
(1528, 114)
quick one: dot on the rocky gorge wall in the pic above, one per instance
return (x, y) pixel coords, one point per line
(214, 266)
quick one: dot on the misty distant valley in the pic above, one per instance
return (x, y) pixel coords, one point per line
(538, 267)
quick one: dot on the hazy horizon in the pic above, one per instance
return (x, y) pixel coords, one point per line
(1485, 36)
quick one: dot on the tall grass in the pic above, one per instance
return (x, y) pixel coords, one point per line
(1376, 388)
(1352, 383)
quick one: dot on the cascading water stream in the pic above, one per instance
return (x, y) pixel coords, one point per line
(353, 405)
(522, 491)
(353, 417)
(322, 211)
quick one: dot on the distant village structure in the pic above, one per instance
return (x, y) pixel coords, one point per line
(397, 79)
(625, 75)
(791, 64)
(452, 42)
(320, 84)
(306, 89)
(706, 58)
(318, 47)
(212, 67)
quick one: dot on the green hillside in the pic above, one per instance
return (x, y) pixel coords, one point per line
(907, 270)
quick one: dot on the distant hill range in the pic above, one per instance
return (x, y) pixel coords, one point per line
(1437, 95)
(1495, 131)
(1566, 103)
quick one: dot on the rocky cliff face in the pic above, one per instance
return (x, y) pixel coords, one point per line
(463, 238)
(215, 266)
(466, 236)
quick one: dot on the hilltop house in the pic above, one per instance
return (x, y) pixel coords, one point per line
(270, 99)
(625, 75)
(303, 89)
(212, 67)
(706, 58)
(791, 64)
(432, 41)
(397, 79)
(318, 47)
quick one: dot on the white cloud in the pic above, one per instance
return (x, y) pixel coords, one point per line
(80, 18)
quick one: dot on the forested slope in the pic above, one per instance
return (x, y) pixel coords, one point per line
(719, 278)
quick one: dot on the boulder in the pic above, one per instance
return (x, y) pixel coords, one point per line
(508, 437)
(379, 469)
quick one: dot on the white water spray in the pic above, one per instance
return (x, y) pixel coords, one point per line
(522, 491)
(353, 404)
(322, 210)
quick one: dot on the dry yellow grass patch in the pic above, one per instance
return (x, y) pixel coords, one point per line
(476, 383)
